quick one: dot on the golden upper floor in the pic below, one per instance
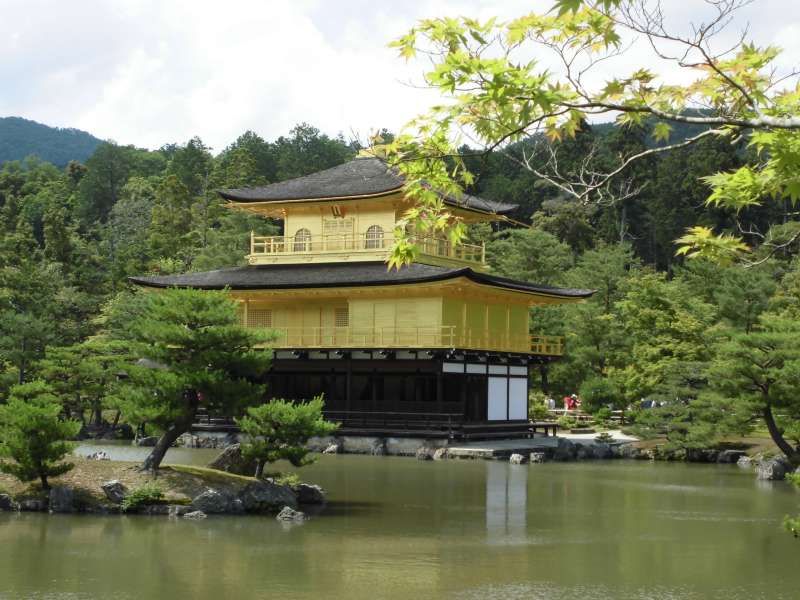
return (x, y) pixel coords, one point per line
(349, 213)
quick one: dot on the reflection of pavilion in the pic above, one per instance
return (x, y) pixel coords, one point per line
(506, 502)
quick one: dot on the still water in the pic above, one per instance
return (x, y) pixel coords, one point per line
(400, 528)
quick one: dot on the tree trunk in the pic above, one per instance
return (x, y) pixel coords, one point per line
(45, 484)
(792, 454)
(179, 427)
(259, 469)
(22, 364)
(116, 421)
(543, 373)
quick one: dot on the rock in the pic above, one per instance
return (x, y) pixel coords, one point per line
(332, 449)
(102, 509)
(565, 450)
(153, 509)
(584, 452)
(730, 457)
(7, 503)
(647, 454)
(602, 450)
(195, 514)
(423, 453)
(124, 432)
(516, 459)
(264, 496)
(379, 448)
(745, 462)
(178, 510)
(440, 454)
(115, 491)
(231, 460)
(33, 505)
(289, 514)
(537, 457)
(309, 494)
(774, 469)
(147, 442)
(99, 455)
(214, 501)
(701, 455)
(62, 499)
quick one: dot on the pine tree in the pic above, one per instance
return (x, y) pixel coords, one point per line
(279, 430)
(197, 355)
(33, 435)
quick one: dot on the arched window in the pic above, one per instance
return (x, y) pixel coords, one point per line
(374, 237)
(302, 240)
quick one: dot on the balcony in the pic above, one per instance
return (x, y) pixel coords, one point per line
(414, 337)
(357, 247)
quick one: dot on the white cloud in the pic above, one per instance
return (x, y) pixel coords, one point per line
(151, 72)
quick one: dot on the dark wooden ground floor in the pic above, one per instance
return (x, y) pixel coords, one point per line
(420, 393)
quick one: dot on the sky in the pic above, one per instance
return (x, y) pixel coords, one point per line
(150, 72)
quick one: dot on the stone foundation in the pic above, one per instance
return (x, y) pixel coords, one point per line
(345, 444)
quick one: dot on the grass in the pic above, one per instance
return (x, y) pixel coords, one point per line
(210, 474)
(756, 443)
(179, 483)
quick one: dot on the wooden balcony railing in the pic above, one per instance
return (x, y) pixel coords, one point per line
(275, 246)
(448, 336)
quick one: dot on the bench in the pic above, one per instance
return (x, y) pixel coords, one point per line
(545, 426)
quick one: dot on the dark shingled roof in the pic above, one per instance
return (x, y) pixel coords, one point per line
(275, 277)
(364, 176)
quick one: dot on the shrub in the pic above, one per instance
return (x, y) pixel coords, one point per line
(289, 479)
(33, 435)
(280, 429)
(567, 422)
(605, 438)
(537, 409)
(149, 493)
(603, 415)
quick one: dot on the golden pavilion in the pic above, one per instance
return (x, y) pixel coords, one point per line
(441, 346)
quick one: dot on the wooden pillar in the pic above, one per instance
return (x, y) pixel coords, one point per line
(439, 389)
(348, 384)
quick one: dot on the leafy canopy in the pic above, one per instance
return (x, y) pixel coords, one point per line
(280, 430)
(33, 435)
(497, 90)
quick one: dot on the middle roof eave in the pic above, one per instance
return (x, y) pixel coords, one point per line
(284, 277)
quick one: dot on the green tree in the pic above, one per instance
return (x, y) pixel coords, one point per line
(29, 305)
(195, 355)
(596, 341)
(760, 372)
(529, 255)
(84, 376)
(670, 342)
(493, 89)
(33, 435)
(280, 430)
(171, 222)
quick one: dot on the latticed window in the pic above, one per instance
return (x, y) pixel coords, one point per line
(302, 240)
(338, 226)
(374, 237)
(259, 318)
(341, 317)
(338, 233)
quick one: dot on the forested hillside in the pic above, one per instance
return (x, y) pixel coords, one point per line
(20, 138)
(658, 327)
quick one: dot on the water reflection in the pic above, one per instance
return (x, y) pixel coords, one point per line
(506, 503)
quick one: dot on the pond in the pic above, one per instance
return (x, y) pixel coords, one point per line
(401, 528)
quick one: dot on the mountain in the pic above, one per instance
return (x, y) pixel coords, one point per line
(21, 137)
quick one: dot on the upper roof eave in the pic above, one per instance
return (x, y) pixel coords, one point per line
(360, 178)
